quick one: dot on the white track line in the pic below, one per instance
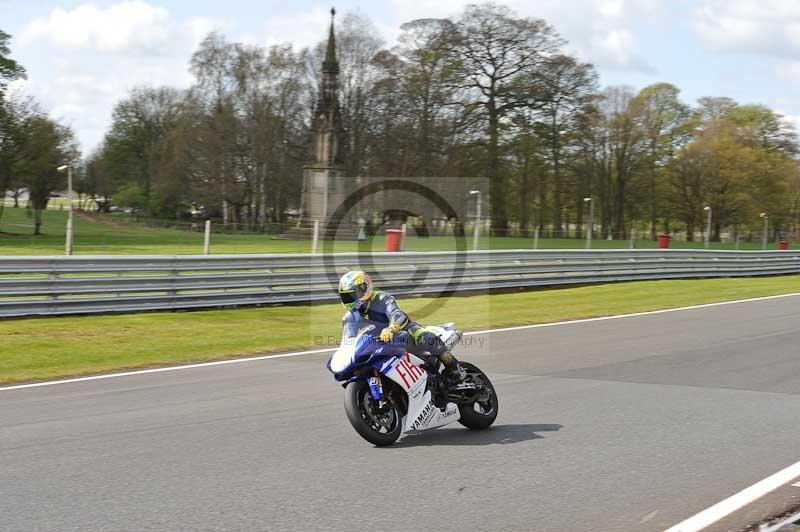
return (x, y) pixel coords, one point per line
(735, 502)
(633, 314)
(159, 370)
(317, 351)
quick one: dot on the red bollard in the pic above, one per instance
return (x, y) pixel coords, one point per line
(783, 245)
(393, 237)
(663, 241)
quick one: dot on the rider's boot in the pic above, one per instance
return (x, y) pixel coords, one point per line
(453, 371)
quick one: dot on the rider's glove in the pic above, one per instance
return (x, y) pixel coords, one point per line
(388, 332)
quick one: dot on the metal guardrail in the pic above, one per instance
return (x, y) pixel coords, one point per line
(99, 284)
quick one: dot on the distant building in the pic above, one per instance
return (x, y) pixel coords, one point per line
(324, 183)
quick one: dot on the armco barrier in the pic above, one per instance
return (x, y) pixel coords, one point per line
(98, 284)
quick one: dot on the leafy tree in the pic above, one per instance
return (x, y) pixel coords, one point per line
(736, 177)
(133, 197)
(139, 126)
(666, 125)
(44, 146)
(97, 182)
(10, 70)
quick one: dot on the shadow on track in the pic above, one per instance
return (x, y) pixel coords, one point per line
(499, 434)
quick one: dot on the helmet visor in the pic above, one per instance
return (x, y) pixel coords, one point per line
(348, 298)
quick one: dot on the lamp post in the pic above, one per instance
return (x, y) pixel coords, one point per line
(708, 226)
(590, 227)
(68, 244)
(766, 229)
(477, 220)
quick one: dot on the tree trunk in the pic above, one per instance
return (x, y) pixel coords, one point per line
(496, 185)
(541, 190)
(557, 222)
(524, 214)
(653, 213)
(262, 196)
(37, 221)
(619, 208)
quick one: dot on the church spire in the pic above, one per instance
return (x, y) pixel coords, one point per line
(327, 125)
(331, 65)
(324, 185)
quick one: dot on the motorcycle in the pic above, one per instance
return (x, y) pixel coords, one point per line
(390, 391)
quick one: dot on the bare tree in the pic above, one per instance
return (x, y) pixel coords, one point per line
(501, 58)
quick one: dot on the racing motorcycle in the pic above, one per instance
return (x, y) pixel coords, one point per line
(390, 391)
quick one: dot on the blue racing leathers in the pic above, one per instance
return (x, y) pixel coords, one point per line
(382, 310)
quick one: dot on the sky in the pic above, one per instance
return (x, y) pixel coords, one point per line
(83, 57)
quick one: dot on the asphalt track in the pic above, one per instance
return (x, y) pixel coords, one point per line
(627, 424)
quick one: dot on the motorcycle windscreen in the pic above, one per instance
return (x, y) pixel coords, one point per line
(352, 353)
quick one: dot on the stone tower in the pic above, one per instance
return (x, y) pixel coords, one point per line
(323, 179)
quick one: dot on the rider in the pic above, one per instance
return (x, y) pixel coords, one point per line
(368, 306)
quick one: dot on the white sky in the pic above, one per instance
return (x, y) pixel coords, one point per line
(82, 57)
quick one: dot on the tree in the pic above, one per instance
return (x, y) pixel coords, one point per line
(132, 149)
(357, 45)
(268, 102)
(737, 177)
(14, 114)
(213, 65)
(760, 126)
(46, 145)
(10, 70)
(500, 58)
(592, 161)
(665, 124)
(428, 81)
(714, 107)
(97, 182)
(566, 86)
(133, 197)
(626, 146)
(486, 93)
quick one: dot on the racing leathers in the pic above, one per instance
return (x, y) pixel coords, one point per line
(382, 311)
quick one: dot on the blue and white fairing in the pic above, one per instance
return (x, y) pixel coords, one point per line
(360, 348)
(364, 349)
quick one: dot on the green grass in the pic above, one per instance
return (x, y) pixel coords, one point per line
(47, 348)
(91, 238)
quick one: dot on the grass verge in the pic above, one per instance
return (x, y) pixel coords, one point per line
(119, 238)
(47, 348)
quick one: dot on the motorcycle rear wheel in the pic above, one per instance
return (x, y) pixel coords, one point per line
(480, 414)
(379, 426)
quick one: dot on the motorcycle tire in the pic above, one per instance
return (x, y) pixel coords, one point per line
(379, 427)
(478, 415)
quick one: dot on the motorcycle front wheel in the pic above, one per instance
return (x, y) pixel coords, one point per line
(479, 414)
(379, 424)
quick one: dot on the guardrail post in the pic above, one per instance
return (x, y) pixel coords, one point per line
(207, 237)
(172, 292)
(54, 276)
(315, 238)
